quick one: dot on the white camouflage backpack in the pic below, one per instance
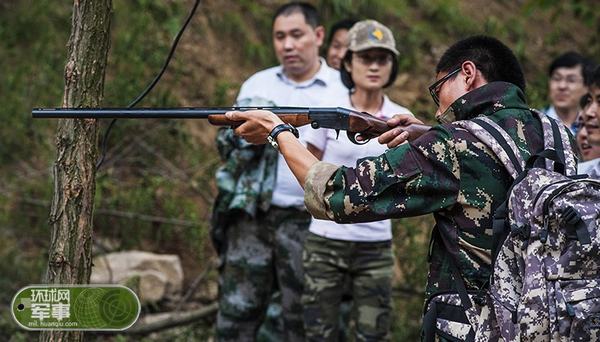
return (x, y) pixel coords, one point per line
(545, 282)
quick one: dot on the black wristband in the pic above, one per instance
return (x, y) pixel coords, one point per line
(272, 138)
(284, 127)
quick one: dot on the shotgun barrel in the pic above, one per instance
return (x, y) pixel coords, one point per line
(354, 122)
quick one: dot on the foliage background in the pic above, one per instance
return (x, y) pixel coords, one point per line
(156, 187)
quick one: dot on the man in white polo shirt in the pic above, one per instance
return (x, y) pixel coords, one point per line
(259, 221)
(569, 74)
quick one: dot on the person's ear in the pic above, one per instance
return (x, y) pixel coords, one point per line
(348, 66)
(469, 70)
(320, 35)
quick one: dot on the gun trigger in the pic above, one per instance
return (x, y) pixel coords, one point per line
(352, 137)
(337, 134)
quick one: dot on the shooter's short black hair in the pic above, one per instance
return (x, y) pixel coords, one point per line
(495, 60)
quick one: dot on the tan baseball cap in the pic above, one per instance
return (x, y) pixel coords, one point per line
(369, 34)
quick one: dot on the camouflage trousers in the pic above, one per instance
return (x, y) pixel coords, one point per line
(260, 253)
(368, 267)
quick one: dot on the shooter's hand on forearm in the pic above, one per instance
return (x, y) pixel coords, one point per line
(397, 136)
(257, 124)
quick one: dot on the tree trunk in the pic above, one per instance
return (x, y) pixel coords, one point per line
(70, 253)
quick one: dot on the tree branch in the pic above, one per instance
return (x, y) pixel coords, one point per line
(174, 320)
(112, 212)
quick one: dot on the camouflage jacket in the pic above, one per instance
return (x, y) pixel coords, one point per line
(245, 182)
(447, 172)
(246, 179)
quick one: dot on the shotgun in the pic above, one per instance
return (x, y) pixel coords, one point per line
(340, 119)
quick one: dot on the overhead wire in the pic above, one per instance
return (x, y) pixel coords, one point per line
(152, 84)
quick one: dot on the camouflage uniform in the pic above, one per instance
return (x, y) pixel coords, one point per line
(447, 172)
(260, 245)
(253, 187)
(326, 262)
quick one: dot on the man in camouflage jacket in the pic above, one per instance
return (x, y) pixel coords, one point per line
(447, 171)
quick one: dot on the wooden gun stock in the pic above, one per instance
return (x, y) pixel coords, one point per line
(372, 127)
(294, 119)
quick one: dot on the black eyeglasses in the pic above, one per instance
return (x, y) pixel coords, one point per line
(434, 89)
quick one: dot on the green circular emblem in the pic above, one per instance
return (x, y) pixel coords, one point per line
(87, 308)
(118, 308)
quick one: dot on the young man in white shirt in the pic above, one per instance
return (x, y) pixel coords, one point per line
(568, 77)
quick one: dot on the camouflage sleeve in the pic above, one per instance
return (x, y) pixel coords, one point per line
(314, 188)
(231, 146)
(409, 180)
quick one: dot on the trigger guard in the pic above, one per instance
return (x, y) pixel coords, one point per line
(352, 136)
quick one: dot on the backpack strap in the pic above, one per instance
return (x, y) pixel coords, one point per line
(496, 138)
(557, 139)
(439, 310)
(433, 313)
(506, 150)
(547, 157)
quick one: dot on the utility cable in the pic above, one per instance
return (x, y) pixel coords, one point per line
(152, 84)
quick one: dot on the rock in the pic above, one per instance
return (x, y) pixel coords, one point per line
(152, 276)
(150, 285)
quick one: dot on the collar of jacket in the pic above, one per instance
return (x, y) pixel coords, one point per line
(489, 99)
